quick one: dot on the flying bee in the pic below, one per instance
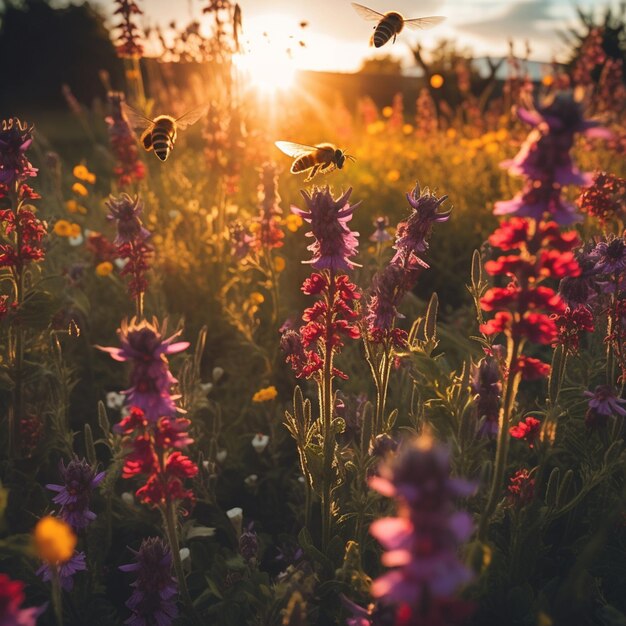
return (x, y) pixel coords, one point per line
(321, 158)
(391, 24)
(159, 134)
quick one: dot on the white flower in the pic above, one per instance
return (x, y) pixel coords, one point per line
(120, 263)
(235, 516)
(218, 372)
(251, 480)
(185, 553)
(221, 455)
(206, 388)
(76, 241)
(259, 442)
(128, 498)
(200, 531)
(115, 400)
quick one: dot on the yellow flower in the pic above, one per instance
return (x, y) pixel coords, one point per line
(79, 189)
(451, 133)
(279, 264)
(387, 111)
(256, 297)
(393, 176)
(104, 268)
(91, 179)
(456, 160)
(436, 81)
(81, 172)
(547, 80)
(293, 222)
(54, 540)
(376, 127)
(265, 395)
(491, 148)
(407, 129)
(63, 228)
(502, 134)
(74, 230)
(72, 206)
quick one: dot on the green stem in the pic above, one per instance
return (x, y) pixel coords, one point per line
(169, 515)
(57, 600)
(326, 410)
(510, 392)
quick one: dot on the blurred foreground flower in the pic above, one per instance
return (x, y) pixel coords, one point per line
(11, 598)
(265, 395)
(423, 541)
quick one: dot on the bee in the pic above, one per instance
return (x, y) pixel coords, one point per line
(159, 134)
(391, 23)
(322, 158)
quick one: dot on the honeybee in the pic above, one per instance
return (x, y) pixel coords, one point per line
(391, 24)
(321, 158)
(159, 134)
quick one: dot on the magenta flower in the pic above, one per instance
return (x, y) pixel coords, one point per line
(11, 598)
(80, 480)
(334, 243)
(422, 542)
(66, 571)
(15, 139)
(151, 380)
(126, 212)
(412, 234)
(153, 600)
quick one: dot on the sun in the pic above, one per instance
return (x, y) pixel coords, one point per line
(267, 69)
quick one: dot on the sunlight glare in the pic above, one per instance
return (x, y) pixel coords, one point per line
(266, 69)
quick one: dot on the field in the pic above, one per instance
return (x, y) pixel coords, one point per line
(391, 395)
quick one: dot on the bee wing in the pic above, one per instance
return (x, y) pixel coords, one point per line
(294, 150)
(421, 23)
(367, 14)
(137, 120)
(191, 117)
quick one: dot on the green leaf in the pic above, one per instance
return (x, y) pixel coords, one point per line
(552, 487)
(430, 329)
(564, 487)
(477, 271)
(557, 372)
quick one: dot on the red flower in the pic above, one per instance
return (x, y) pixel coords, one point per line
(521, 488)
(528, 430)
(510, 234)
(571, 325)
(531, 368)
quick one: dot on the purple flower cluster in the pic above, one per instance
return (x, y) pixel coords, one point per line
(15, 139)
(603, 403)
(422, 542)
(80, 479)
(143, 345)
(153, 600)
(335, 244)
(65, 571)
(486, 384)
(545, 161)
(412, 234)
(126, 212)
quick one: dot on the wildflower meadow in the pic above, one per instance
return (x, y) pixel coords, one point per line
(370, 375)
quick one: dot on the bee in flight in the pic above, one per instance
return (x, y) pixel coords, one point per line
(159, 134)
(321, 158)
(391, 23)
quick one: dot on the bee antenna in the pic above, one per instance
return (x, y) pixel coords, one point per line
(350, 157)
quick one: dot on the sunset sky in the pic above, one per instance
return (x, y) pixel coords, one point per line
(337, 38)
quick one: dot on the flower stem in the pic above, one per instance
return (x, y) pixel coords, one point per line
(326, 410)
(169, 515)
(510, 392)
(57, 600)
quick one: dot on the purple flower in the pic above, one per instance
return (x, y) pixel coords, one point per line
(334, 243)
(380, 235)
(15, 139)
(412, 234)
(485, 383)
(584, 288)
(153, 600)
(374, 615)
(603, 404)
(249, 544)
(241, 240)
(537, 198)
(66, 570)
(80, 479)
(422, 543)
(609, 255)
(126, 212)
(388, 288)
(547, 148)
(151, 380)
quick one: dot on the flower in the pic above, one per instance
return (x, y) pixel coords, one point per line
(54, 540)
(143, 345)
(104, 269)
(16, 138)
(571, 325)
(528, 430)
(62, 228)
(293, 222)
(11, 598)
(153, 600)
(249, 544)
(422, 542)
(380, 235)
(412, 234)
(241, 240)
(279, 264)
(265, 395)
(609, 255)
(335, 244)
(126, 212)
(65, 570)
(603, 403)
(80, 479)
(521, 488)
(129, 46)
(268, 233)
(486, 384)
(605, 198)
(259, 442)
(80, 190)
